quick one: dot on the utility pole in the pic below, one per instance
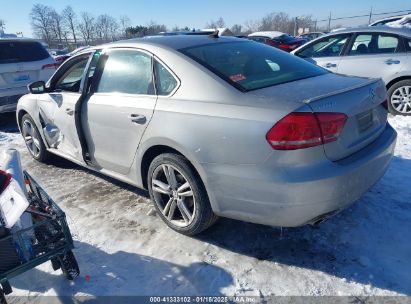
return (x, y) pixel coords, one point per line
(315, 25)
(329, 22)
(295, 26)
(2, 25)
(369, 20)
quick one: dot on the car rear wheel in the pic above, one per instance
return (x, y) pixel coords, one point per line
(179, 195)
(399, 97)
(32, 139)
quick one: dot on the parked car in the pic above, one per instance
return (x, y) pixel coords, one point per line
(279, 40)
(311, 36)
(22, 61)
(368, 52)
(386, 20)
(61, 58)
(214, 127)
(404, 22)
(223, 31)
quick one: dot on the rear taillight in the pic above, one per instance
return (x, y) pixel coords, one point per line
(5, 179)
(287, 47)
(50, 66)
(304, 130)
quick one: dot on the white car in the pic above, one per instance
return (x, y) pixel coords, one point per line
(387, 20)
(22, 61)
(373, 52)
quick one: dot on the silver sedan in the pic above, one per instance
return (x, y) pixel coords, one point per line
(214, 126)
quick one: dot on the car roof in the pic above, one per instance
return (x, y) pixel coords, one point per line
(389, 18)
(14, 39)
(269, 34)
(372, 29)
(175, 42)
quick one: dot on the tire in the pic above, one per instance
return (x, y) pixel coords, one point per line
(190, 207)
(69, 265)
(400, 89)
(35, 145)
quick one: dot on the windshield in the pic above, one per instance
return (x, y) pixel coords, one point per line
(251, 66)
(21, 51)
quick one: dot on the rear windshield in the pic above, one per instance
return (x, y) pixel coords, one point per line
(21, 51)
(251, 66)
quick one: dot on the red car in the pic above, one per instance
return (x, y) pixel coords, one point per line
(279, 40)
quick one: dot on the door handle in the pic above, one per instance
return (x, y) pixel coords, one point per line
(392, 61)
(138, 119)
(330, 65)
(69, 111)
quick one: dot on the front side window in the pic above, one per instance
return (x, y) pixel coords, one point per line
(128, 72)
(326, 47)
(165, 81)
(250, 66)
(369, 44)
(71, 79)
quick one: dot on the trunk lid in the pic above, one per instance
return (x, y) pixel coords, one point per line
(367, 117)
(361, 99)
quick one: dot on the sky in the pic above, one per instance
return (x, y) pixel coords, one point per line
(196, 14)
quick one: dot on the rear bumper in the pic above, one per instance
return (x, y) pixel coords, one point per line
(296, 196)
(10, 97)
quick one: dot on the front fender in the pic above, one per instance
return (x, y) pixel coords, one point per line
(28, 104)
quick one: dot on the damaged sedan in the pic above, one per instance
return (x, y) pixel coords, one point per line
(214, 126)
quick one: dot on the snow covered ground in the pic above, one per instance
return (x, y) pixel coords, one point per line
(127, 250)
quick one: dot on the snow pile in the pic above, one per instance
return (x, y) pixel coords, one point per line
(404, 22)
(125, 249)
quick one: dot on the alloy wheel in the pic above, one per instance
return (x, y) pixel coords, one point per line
(401, 99)
(173, 195)
(31, 138)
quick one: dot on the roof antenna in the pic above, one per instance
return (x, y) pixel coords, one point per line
(214, 35)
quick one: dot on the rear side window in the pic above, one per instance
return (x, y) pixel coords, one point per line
(250, 66)
(326, 47)
(165, 81)
(21, 51)
(374, 44)
(128, 72)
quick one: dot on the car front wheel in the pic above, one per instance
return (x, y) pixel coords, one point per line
(179, 195)
(399, 98)
(32, 139)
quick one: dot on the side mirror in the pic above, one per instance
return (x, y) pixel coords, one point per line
(38, 87)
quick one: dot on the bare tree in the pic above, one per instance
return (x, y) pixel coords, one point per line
(106, 27)
(2, 25)
(86, 26)
(237, 29)
(155, 28)
(281, 22)
(216, 24)
(56, 24)
(124, 24)
(251, 26)
(41, 21)
(70, 21)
